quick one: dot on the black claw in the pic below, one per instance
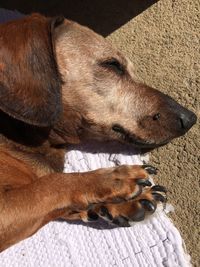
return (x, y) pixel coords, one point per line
(148, 205)
(121, 221)
(159, 188)
(159, 197)
(150, 169)
(139, 215)
(92, 216)
(143, 182)
(105, 213)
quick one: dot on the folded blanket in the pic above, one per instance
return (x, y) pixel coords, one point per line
(155, 242)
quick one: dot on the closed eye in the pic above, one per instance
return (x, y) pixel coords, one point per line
(114, 65)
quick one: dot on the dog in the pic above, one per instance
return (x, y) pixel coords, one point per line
(61, 83)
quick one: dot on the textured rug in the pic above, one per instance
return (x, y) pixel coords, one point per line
(155, 242)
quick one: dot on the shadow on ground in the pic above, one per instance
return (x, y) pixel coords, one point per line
(103, 16)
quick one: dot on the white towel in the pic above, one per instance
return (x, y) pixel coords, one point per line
(155, 242)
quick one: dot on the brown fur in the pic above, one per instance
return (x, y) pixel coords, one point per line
(61, 83)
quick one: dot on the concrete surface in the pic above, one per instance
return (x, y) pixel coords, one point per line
(164, 44)
(163, 41)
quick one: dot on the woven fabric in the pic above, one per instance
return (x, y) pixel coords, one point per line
(155, 242)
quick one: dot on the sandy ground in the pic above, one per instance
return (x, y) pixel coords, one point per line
(162, 38)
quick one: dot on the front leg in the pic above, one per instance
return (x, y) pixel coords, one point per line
(26, 209)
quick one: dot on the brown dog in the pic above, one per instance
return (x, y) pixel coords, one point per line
(61, 83)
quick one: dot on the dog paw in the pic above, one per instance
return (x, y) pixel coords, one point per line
(118, 184)
(135, 210)
(107, 187)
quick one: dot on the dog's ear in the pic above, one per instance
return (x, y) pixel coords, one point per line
(30, 83)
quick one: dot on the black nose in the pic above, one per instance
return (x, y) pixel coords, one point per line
(187, 120)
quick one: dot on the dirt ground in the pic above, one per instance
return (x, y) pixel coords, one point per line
(162, 38)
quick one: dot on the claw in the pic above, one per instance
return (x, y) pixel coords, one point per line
(105, 213)
(139, 215)
(92, 216)
(150, 169)
(121, 221)
(159, 188)
(148, 205)
(143, 182)
(159, 197)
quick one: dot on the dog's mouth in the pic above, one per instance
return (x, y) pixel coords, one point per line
(127, 137)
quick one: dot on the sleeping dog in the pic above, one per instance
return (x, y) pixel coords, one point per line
(61, 83)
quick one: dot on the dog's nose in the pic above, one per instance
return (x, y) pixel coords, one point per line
(187, 120)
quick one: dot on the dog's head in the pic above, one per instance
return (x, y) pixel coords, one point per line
(101, 98)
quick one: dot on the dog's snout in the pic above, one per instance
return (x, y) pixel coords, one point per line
(181, 118)
(187, 120)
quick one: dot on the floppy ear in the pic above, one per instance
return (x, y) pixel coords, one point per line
(30, 83)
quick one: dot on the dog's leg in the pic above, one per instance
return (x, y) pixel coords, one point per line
(27, 208)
